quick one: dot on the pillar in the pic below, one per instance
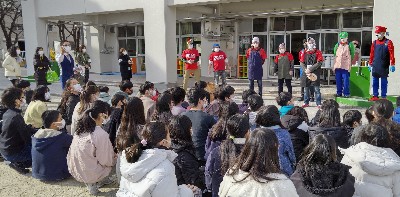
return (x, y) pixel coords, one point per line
(160, 41)
(35, 33)
(93, 49)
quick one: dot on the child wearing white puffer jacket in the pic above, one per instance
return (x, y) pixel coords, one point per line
(375, 168)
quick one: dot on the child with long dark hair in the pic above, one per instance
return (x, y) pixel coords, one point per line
(147, 168)
(256, 171)
(163, 108)
(319, 173)
(89, 95)
(69, 100)
(91, 155)
(223, 157)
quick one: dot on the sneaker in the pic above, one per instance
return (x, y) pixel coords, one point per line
(18, 168)
(305, 105)
(93, 189)
(105, 181)
(374, 98)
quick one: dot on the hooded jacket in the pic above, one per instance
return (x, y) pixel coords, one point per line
(376, 170)
(153, 175)
(300, 138)
(332, 180)
(49, 155)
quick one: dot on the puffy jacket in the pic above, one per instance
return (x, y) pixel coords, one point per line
(153, 175)
(33, 114)
(300, 138)
(11, 67)
(376, 170)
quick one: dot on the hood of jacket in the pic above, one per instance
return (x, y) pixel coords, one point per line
(322, 180)
(291, 122)
(104, 95)
(44, 138)
(372, 159)
(149, 160)
(285, 109)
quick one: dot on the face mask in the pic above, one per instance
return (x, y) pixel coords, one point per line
(255, 45)
(343, 40)
(67, 49)
(379, 36)
(281, 51)
(18, 51)
(205, 104)
(124, 52)
(84, 50)
(216, 50)
(310, 46)
(47, 96)
(40, 53)
(190, 46)
(105, 121)
(154, 93)
(62, 124)
(77, 87)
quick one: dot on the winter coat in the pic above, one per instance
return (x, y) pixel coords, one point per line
(49, 155)
(15, 135)
(243, 108)
(112, 126)
(285, 109)
(281, 187)
(125, 67)
(187, 167)
(153, 175)
(73, 100)
(376, 170)
(338, 133)
(176, 110)
(300, 138)
(33, 114)
(11, 67)
(396, 117)
(210, 145)
(82, 59)
(41, 64)
(213, 171)
(332, 180)
(314, 59)
(91, 156)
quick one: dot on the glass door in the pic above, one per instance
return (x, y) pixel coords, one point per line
(296, 40)
(275, 40)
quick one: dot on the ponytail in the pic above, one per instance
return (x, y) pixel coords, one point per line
(87, 123)
(228, 154)
(85, 97)
(134, 152)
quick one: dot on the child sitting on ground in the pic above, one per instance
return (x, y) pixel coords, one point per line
(351, 120)
(104, 95)
(285, 100)
(49, 148)
(255, 103)
(396, 117)
(245, 104)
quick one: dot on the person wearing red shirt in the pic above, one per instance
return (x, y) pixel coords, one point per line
(311, 63)
(283, 67)
(218, 60)
(381, 60)
(190, 57)
(256, 57)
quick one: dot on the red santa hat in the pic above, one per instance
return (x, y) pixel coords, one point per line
(380, 29)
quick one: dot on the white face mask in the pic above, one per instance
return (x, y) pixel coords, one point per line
(22, 104)
(105, 121)
(62, 124)
(124, 52)
(282, 51)
(67, 49)
(255, 45)
(154, 93)
(84, 50)
(310, 46)
(190, 46)
(18, 51)
(47, 96)
(41, 53)
(205, 104)
(216, 50)
(77, 87)
(379, 36)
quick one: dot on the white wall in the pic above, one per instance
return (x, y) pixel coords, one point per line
(386, 14)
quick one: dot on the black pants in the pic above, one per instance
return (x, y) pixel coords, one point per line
(259, 83)
(86, 75)
(288, 83)
(312, 92)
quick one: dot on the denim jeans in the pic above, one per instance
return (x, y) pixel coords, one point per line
(217, 75)
(317, 94)
(23, 158)
(259, 82)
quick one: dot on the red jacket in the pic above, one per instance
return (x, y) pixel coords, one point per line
(391, 51)
(191, 54)
(262, 53)
(290, 56)
(317, 52)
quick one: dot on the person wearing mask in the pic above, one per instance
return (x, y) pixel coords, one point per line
(217, 60)
(311, 63)
(201, 121)
(125, 88)
(374, 165)
(12, 70)
(147, 91)
(83, 60)
(283, 68)
(299, 137)
(256, 171)
(125, 63)
(147, 168)
(190, 57)
(69, 100)
(256, 57)
(66, 62)
(319, 173)
(91, 156)
(222, 94)
(41, 64)
(118, 103)
(245, 100)
(49, 149)
(87, 98)
(301, 55)
(178, 97)
(25, 86)
(33, 114)
(343, 53)
(285, 100)
(15, 136)
(222, 158)
(255, 103)
(162, 112)
(381, 60)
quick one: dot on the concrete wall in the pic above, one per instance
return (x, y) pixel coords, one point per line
(386, 14)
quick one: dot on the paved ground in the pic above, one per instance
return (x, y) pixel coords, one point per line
(14, 184)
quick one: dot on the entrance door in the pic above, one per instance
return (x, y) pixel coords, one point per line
(275, 40)
(297, 45)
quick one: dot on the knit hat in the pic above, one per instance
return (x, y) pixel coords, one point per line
(343, 35)
(380, 29)
(255, 39)
(282, 46)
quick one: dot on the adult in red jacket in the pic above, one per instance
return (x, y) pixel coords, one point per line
(283, 67)
(190, 57)
(381, 60)
(218, 60)
(256, 57)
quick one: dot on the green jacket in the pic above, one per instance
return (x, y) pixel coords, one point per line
(82, 59)
(351, 48)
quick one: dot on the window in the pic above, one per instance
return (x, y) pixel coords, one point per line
(260, 25)
(122, 31)
(312, 22)
(142, 46)
(177, 29)
(130, 31)
(355, 36)
(190, 28)
(18, 27)
(293, 23)
(196, 27)
(131, 47)
(278, 24)
(366, 43)
(140, 30)
(328, 42)
(352, 20)
(275, 41)
(244, 44)
(367, 19)
(122, 44)
(330, 21)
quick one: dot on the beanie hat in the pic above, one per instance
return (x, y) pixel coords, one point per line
(343, 35)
